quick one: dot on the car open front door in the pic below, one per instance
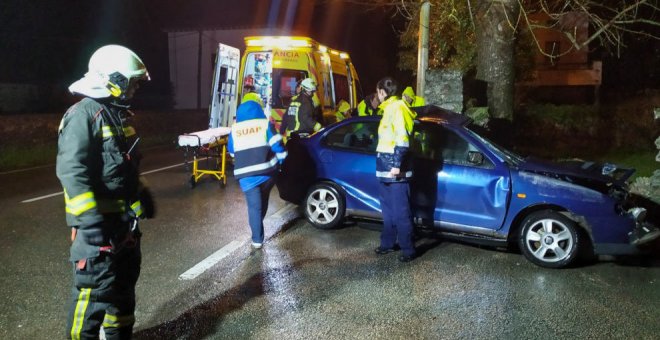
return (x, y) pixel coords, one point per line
(455, 185)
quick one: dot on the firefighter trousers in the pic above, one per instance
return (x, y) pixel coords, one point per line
(104, 295)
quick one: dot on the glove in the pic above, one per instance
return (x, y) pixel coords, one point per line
(95, 234)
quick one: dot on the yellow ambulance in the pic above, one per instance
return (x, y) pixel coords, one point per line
(273, 66)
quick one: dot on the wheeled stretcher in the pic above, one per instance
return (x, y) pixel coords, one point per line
(211, 145)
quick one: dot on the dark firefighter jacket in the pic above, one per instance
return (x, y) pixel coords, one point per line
(99, 176)
(300, 116)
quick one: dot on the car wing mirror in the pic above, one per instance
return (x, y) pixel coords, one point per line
(475, 157)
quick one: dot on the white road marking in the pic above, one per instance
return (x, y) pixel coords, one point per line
(210, 261)
(43, 197)
(161, 169)
(61, 192)
(278, 214)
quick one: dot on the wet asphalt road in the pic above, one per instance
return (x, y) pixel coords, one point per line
(306, 283)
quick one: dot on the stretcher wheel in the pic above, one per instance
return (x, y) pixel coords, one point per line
(222, 184)
(191, 182)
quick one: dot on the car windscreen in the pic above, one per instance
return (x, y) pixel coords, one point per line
(507, 155)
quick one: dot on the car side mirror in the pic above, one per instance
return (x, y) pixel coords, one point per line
(475, 157)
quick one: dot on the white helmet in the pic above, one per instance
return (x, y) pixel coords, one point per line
(308, 84)
(111, 69)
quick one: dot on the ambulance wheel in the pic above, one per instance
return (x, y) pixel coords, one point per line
(191, 182)
(324, 206)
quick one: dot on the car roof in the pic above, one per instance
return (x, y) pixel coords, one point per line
(429, 113)
(438, 115)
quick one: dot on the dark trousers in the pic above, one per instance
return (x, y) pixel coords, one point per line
(104, 295)
(257, 202)
(397, 217)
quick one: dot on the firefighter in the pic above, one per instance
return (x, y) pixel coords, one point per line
(411, 99)
(342, 111)
(97, 165)
(369, 106)
(393, 170)
(300, 117)
(257, 149)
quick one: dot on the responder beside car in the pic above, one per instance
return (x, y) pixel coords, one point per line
(97, 165)
(300, 116)
(411, 99)
(394, 170)
(343, 111)
(257, 150)
(369, 106)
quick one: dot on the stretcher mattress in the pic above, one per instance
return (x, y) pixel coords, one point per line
(205, 137)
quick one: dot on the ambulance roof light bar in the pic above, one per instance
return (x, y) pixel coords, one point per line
(281, 42)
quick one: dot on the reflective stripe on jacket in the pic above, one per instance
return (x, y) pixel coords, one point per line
(300, 115)
(393, 139)
(251, 148)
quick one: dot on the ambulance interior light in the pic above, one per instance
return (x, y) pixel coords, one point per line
(323, 49)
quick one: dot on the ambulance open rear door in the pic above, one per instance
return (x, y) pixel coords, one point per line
(211, 144)
(224, 93)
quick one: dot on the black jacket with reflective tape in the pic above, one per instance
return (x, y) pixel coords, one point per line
(98, 174)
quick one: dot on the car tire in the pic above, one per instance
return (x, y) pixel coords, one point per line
(549, 239)
(324, 206)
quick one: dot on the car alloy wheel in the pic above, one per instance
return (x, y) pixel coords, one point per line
(324, 206)
(549, 239)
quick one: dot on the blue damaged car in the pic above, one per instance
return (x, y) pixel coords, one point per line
(467, 187)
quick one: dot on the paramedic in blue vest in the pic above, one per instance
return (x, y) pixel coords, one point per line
(257, 150)
(301, 116)
(394, 171)
(98, 167)
(249, 93)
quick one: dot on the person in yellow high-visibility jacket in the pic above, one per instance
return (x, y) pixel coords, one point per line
(342, 111)
(393, 170)
(369, 106)
(411, 99)
(249, 93)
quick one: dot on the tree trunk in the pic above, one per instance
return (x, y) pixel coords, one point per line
(495, 20)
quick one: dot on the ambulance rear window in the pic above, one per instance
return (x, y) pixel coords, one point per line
(284, 86)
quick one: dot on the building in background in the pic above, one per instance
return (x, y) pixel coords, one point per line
(560, 76)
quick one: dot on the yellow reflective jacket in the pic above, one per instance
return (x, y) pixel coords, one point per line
(394, 138)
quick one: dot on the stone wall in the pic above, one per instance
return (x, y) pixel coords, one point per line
(445, 89)
(650, 186)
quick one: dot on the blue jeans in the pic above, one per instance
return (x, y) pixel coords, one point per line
(257, 202)
(397, 217)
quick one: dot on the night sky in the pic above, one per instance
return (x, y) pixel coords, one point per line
(51, 41)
